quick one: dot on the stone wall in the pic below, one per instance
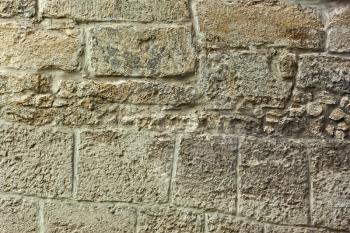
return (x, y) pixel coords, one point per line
(169, 116)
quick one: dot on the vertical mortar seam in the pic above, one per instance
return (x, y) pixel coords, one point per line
(310, 196)
(174, 166)
(41, 217)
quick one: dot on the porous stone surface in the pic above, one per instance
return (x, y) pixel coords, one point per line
(212, 160)
(139, 10)
(18, 215)
(191, 116)
(219, 223)
(10, 8)
(330, 176)
(274, 180)
(124, 166)
(168, 220)
(31, 46)
(83, 218)
(141, 51)
(35, 161)
(245, 23)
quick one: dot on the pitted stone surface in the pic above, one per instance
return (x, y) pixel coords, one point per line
(274, 180)
(18, 215)
(10, 8)
(136, 10)
(83, 218)
(141, 51)
(35, 161)
(124, 166)
(212, 160)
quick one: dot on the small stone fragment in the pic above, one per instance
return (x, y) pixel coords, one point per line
(330, 129)
(314, 109)
(337, 114)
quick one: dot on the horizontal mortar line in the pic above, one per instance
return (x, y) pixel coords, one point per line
(152, 205)
(89, 24)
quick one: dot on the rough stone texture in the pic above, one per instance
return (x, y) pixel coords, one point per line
(35, 161)
(141, 51)
(274, 180)
(17, 215)
(26, 47)
(136, 10)
(180, 116)
(330, 180)
(244, 23)
(61, 217)
(9, 8)
(218, 223)
(170, 220)
(230, 79)
(212, 160)
(124, 166)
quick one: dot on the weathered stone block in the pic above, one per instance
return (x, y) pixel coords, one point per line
(133, 92)
(273, 180)
(169, 220)
(339, 17)
(141, 51)
(136, 10)
(35, 161)
(88, 218)
(324, 72)
(339, 40)
(17, 215)
(229, 78)
(330, 180)
(291, 229)
(10, 8)
(244, 23)
(212, 161)
(20, 83)
(32, 47)
(124, 166)
(218, 223)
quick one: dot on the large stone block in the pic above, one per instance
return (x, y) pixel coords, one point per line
(133, 92)
(206, 172)
(219, 223)
(330, 182)
(291, 229)
(245, 23)
(35, 161)
(324, 72)
(17, 215)
(141, 50)
(159, 220)
(228, 78)
(35, 47)
(128, 166)
(273, 178)
(88, 218)
(10, 8)
(135, 10)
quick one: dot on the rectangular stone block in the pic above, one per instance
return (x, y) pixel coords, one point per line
(129, 92)
(12, 84)
(18, 215)
(230, 78)
(35, 161)
(324, 72)
(170, 220)
(88, 218)
(10, 8)
(141, 50)
(34, 47)
(339, 40)
(330, 182)
(135, 10)
(206, 172)
(273, 178)
(129, 166)
(251, 23)
(219, 223)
